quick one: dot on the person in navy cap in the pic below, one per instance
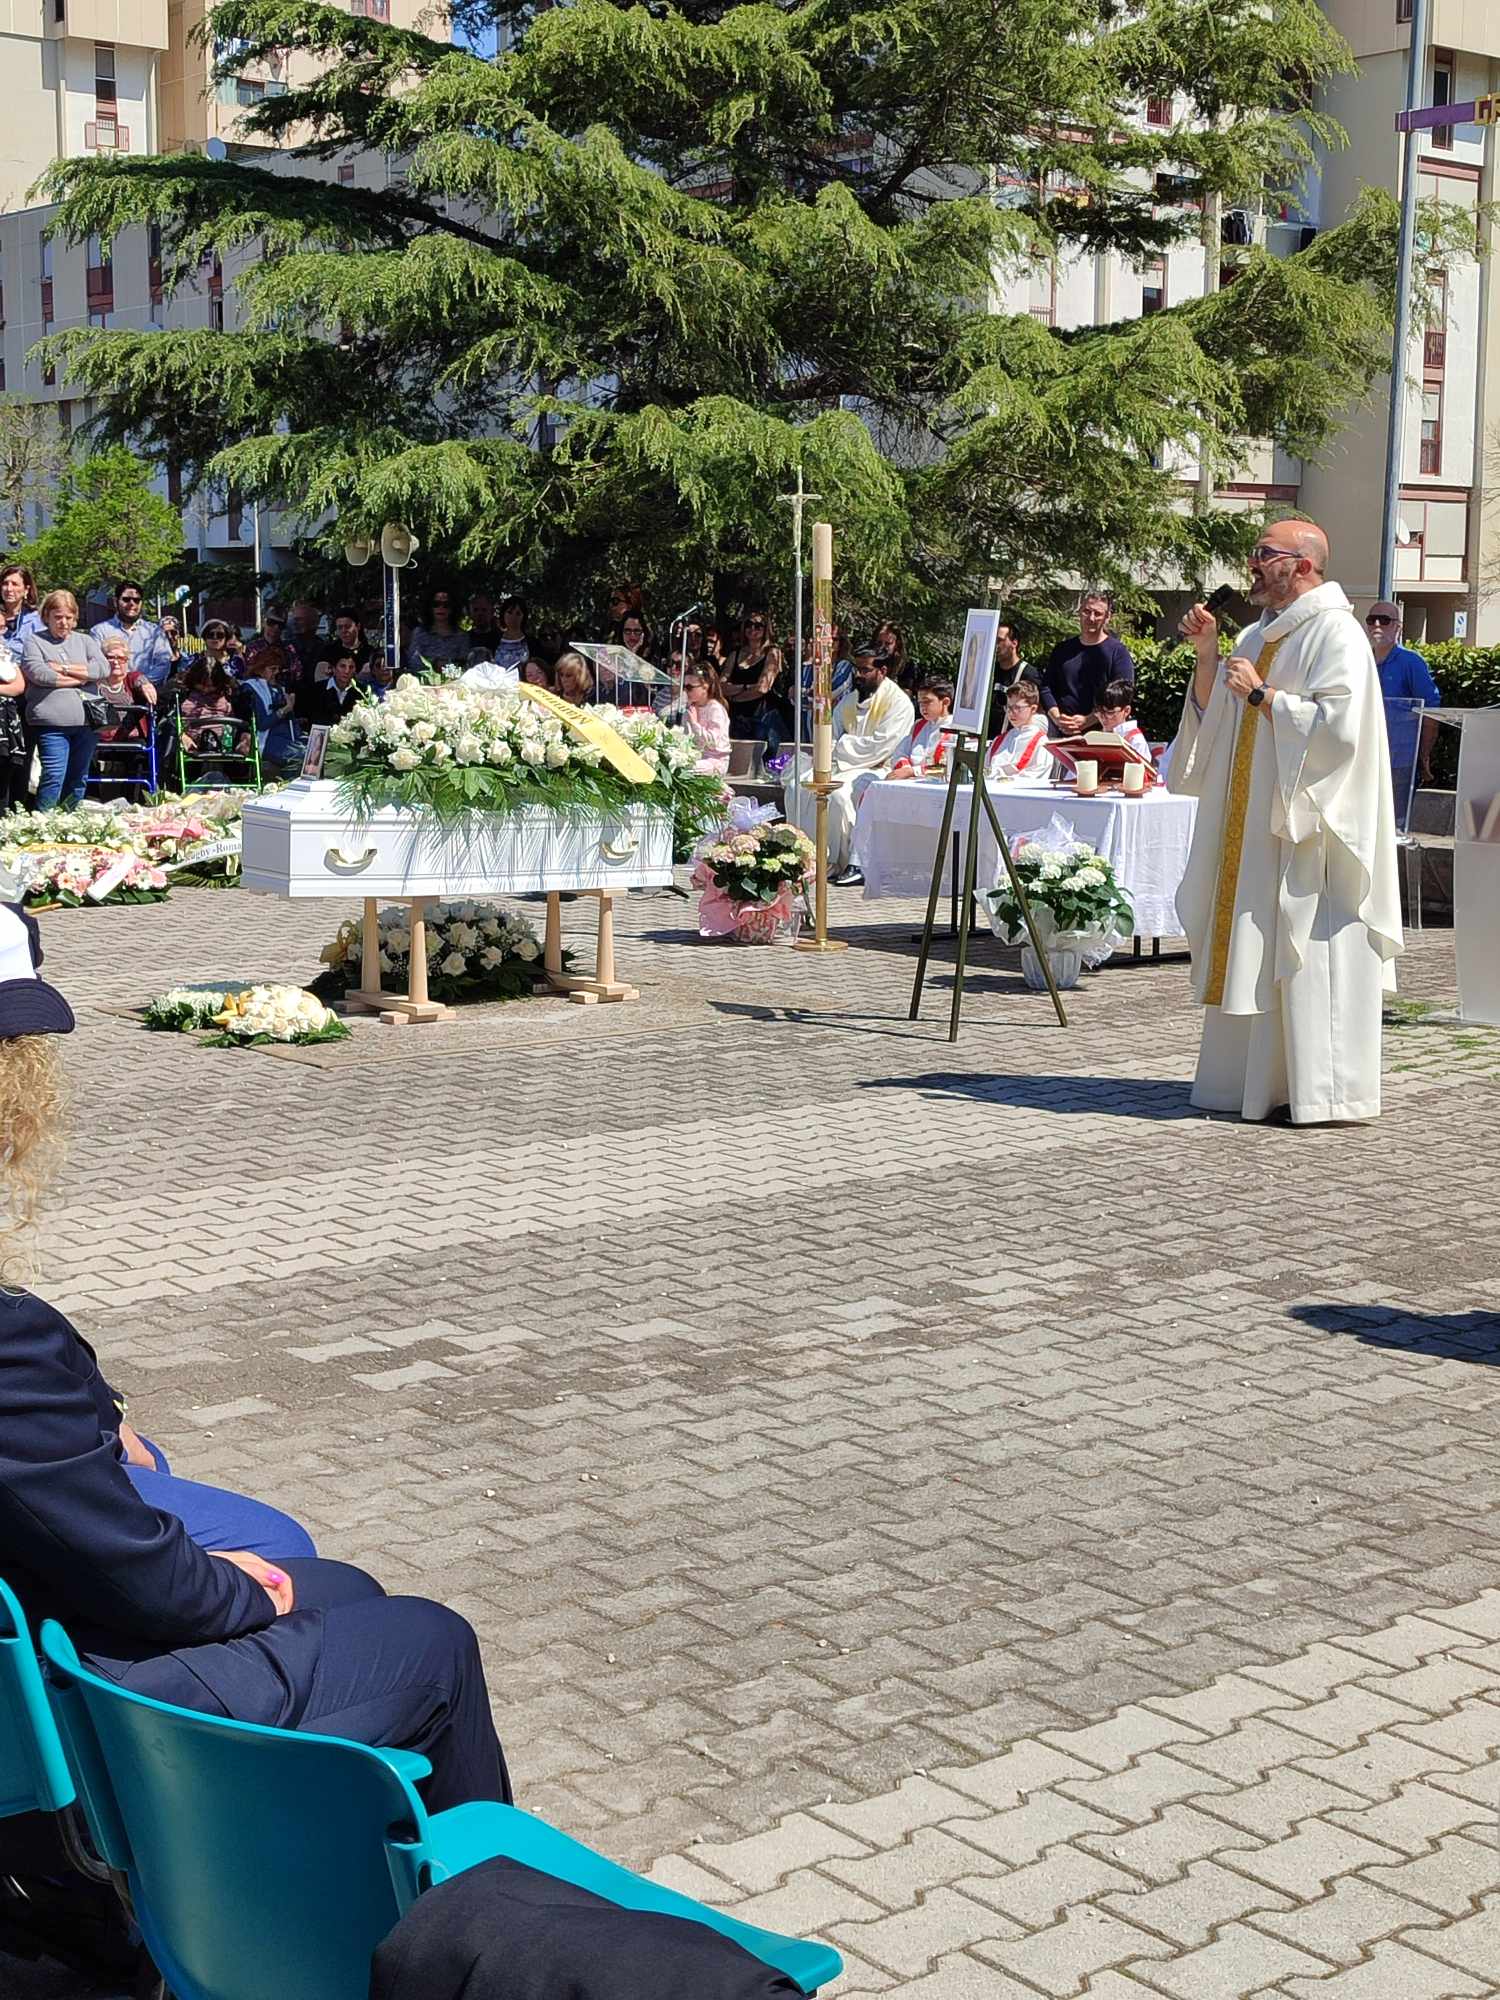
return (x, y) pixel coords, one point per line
(89, 1533)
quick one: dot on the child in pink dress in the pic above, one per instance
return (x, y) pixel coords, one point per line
(706, 720)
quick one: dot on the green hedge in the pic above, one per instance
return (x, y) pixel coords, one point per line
(1467, 677)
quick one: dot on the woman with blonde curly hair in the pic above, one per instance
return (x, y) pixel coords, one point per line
(150, 1574)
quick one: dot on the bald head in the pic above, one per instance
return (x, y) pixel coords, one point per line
(1290, 559)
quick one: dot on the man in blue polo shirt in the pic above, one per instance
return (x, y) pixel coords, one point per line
(1404, 676)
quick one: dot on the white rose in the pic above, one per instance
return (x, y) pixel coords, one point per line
(454, 963)
(499, 754)
(489, 958)
(526, 948)
(422, 732)
(404, 760)
(557, 755)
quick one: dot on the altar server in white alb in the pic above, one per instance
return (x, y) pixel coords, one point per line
(1020, 751)
(869, 726)
(1290, 899)
(924, 749)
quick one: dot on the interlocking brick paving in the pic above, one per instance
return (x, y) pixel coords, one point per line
(951, 1497)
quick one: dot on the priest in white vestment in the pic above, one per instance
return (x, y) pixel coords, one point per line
(1290, 900)
(869, 726)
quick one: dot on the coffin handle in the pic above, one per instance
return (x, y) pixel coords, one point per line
(620, 846)
(337, 862)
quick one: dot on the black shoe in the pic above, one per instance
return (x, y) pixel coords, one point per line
(849, 879)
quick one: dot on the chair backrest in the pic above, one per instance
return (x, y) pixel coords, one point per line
(33, 1765)
(1403, 728)
(264, 1864)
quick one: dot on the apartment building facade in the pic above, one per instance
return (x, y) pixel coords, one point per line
(1448, 566)
(94, 78)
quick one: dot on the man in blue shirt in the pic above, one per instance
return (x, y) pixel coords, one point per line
(151, 652)
(1077, 671)
(1404, 676)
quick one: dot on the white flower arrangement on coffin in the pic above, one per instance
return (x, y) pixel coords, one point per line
(475, 951)
(246, 1016)
(457, 750)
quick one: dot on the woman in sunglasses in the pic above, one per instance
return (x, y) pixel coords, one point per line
(752, 679)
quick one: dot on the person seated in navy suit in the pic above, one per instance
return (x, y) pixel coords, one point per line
(274, 1636)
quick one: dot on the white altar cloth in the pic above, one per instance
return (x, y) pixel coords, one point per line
(1145, 840)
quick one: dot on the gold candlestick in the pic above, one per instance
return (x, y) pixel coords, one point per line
(823, 783)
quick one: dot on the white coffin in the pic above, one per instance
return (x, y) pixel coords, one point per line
(301, 842)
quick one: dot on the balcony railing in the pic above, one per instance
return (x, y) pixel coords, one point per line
(1435, 349)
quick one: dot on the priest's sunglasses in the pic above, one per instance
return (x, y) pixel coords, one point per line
(1265, 552)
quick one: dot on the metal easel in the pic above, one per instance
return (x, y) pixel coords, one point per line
(967, 767)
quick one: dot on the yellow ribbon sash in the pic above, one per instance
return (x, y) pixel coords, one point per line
(1236, 807)
(589, 729)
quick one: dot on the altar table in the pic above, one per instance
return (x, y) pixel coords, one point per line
(1145, 840)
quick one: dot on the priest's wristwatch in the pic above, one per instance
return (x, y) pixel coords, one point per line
(1257, 695)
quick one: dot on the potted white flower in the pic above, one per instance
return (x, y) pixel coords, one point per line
(1079, 909)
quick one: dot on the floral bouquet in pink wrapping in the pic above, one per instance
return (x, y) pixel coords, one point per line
(750, 876)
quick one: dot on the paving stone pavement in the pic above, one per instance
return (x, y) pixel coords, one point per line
(953, 1499)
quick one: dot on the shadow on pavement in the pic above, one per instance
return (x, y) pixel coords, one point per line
(1098, 1096)
(1467, 1336)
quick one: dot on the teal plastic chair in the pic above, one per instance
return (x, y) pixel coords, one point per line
(34, 1775)
(267, 1864)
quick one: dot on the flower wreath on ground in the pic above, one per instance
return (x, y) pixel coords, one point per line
(245, 1016)
(750, 874)
(116, 852)
(458, 750)
(1076, 902)
(475, 951)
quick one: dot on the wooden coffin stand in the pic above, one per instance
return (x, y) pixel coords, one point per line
(300, 843)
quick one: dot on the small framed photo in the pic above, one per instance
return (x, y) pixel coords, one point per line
(976, 673)
(316, 751)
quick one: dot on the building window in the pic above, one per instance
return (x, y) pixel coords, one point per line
(1154, 286)
(1435, 339)
(174, 482)
(104, 72)
(346, 172)
(46, 244)
(1403, 11)
(105, 134)
(372, 10)
(1442, 93)
(1158, 110)
(248, 91)
(99, 278)
(1432, 431)
(59, 11)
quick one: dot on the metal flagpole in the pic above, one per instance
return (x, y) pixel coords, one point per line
(1416, 77)
(797, 501)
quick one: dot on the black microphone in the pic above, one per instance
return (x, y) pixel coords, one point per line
(1224, 595)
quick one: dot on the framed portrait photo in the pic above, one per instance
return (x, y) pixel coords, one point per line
(316, 751)
(976, 673)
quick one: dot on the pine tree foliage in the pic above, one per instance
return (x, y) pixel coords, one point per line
(698, 246)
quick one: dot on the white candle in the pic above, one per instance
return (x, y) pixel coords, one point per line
(1088, 777)
(1133, 780)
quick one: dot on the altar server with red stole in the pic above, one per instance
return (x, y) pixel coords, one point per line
(1020, 751)
(1115, 706)
(926, 747)
(1290, 900)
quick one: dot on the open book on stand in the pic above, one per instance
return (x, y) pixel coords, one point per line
(1110, 752)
